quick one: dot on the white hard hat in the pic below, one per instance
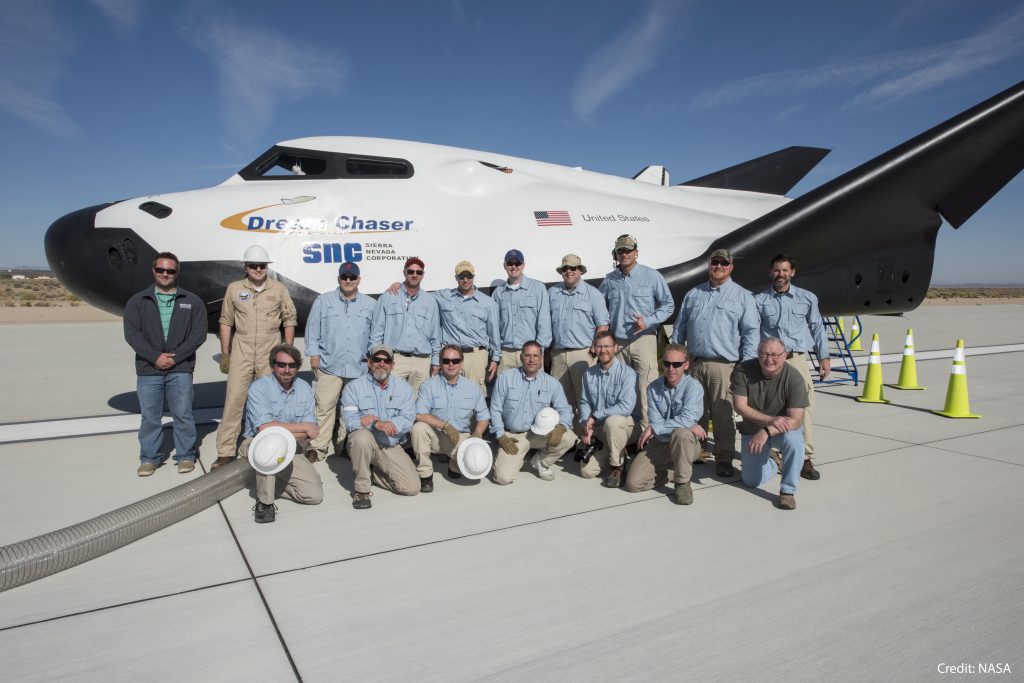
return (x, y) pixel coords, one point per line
(474, 458)
(272, 450)
(545, 421)
(255, 253)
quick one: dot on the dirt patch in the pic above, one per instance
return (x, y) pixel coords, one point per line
(973, 296)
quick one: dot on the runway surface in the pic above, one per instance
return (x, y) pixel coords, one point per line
(904, 556)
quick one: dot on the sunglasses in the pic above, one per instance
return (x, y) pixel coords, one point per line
(464, 276)
(674, 363)
(623, 250)
(282, 365)
(165, 271)
(256, 266)
(381, 359)
(566, 269)
(414, 272)
(721, 264)
(513, 264)
(451, 361)
(348, 277)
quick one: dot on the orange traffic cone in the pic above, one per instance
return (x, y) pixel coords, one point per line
(855, 337)
(908, 370)
(873, 381)
(957, 404)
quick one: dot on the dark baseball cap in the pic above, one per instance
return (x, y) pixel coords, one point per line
(348, 268)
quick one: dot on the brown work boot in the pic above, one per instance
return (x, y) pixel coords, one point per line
(614, 478)
(684, 494)
(808, 471)
(787, 501)
(221, 461)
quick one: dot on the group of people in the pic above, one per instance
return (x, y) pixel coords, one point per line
(407, 376)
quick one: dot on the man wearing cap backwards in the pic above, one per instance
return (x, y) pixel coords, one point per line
(283, 400)
(410, 323)
(469, 320)
(578, 312)
(791, 314)
(444, 407)
(519, 395)
(675, 404)
(379, 411)
(770, 397)
(639, 301)
(523, 311)
(253, 313)
(337, 338)
(165, 324)
(718, 322)
(607, 407)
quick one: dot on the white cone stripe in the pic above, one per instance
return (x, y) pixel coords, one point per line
(958, 354)
(908, 351)
(875, 359)
(875, 347)
(958, 370)
(910, 340)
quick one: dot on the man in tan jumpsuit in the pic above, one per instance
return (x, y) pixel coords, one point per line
(256, 309)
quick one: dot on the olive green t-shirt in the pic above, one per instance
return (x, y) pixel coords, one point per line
(770, 396)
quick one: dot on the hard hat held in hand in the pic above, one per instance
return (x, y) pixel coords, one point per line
(545, 421)
(271, 450)
(474, 458)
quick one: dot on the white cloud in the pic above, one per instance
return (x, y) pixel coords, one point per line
(126, 15)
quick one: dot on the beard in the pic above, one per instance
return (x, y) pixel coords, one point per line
(380, 374)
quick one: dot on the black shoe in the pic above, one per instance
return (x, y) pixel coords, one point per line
(361, 501)
(614, 478)
(808, 471)
(427, 484)
(724, 468)
(265, 513)
(452, 474)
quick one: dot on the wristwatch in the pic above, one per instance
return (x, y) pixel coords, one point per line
(767, 431)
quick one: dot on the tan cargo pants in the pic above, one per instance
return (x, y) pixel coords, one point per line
(650, 467)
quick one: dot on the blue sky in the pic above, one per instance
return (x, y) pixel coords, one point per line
(108, 99)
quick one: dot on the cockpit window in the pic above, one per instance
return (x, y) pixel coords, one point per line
(283, 163)
(363, 167)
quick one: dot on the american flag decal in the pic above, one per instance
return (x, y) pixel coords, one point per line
(552, 217)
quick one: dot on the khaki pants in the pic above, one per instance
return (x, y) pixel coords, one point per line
(426, 440)
(509, 360)
(800, 364)
(507, 466)
(568, 366)
(249, 361)
(474, 367)
(650, 467)
(389, 468)
(617, 431)
(413, 370)
(641, 354)
(299, 481)
(328, 391)
(715, 376)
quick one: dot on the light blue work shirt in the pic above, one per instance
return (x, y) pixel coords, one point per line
(338, 330)
(453, 403)
(469, 321)
(793, 317)
(393, 403)
(523, 314)
(575, 315)
(408, 324)
(267, 401)
(643, 290)
(608, 392)
(516, 401)
(669, 408)
(718, 322)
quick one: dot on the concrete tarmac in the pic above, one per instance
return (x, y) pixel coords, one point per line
(904, 556)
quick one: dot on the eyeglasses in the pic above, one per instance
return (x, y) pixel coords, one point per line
(721, 264)
(513, 264)
(381, 359)
(773, 356)
(451, 361)
(348, 277)
(256, 266)
(165, 271)
(464, 276)
(566, 269)
(413, 272)
(623, 250)
(674, 363)
(282, 365)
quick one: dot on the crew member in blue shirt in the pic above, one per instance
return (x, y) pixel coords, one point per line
(469, 320)
(607, 407)
(447, 407)
(675, 403)
(379, 411)
(523, 311)
(281, 399)
(718, 322)
(519, 394)
(410, 323)
(578, 312)
(791, 314)
(639, 301)
(337, 338)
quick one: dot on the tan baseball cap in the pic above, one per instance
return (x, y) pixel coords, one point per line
(463, 267)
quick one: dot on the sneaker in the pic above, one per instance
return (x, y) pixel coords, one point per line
(703, 458)
(543, 471)
(614, 478)
(684, 494)
(361, 501)
(427, 484)
(787, 501)
(186, 466)
(221, 461)
(808, 471)
(724, 469)
(314, 456)
(146, 469)
(265, 513)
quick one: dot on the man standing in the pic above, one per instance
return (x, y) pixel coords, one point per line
(639, 301)
(444, 407)
(252, 315)
(164, 325)
(791, 314)
(283, 400)
(675, 403)
(607, 406)
(770, 397)
(379, 412)
(409, 322)
(337, 338)
(469, 320)
(523, 311)
(519, 395)
(718, 323)
(578, 312)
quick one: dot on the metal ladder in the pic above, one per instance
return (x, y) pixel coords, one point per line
(844, 369)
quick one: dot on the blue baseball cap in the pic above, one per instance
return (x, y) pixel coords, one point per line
(348, 268)
(514, 255)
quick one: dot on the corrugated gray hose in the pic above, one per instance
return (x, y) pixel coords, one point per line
(39, 557)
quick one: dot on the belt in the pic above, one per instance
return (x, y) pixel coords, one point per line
(509, 348)
(471, 349)
(582, 348)
(794, 353)
(714, 360)
(413, 355)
